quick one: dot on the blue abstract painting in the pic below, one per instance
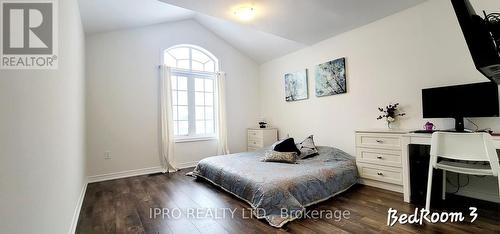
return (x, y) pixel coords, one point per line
(331, 78)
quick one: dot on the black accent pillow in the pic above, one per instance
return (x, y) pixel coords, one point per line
(286, 145)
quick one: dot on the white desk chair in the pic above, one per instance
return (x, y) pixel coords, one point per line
(475, 147)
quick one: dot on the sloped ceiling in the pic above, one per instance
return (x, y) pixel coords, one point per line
(109, 15)
(303, 21)
(260, 46)
(280, 26)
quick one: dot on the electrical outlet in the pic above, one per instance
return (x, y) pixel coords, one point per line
(107, 155)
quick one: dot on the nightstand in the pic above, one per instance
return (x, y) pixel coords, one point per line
(261, 137)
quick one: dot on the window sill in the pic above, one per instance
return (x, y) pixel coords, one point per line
(194, 139)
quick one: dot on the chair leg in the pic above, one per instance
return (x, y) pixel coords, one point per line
(429, 187)
(498, 177)
(443, 195)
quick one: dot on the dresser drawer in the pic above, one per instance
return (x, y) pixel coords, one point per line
(391, 175)
(379, 156)
(255, 137)
(251, 149)
(255, 134)
(378, 141)
(255, 143)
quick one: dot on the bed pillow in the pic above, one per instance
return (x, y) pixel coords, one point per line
(286, 145)
(307, 148)
(283, 157)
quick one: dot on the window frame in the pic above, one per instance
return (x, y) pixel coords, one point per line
(191, 75)
(211, 57)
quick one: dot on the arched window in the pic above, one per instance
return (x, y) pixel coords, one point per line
(191, 57)
(193, 91)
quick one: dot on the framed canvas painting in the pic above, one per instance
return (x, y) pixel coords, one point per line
(331, 78)
(296, 86)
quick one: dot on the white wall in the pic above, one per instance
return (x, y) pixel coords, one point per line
(42, 162)
(122, 95)
(389, 60)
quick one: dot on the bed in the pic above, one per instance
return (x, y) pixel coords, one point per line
(279, 192)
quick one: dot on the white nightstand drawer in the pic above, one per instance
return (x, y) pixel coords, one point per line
(252, 136)
(255, 134)
(378, 141)
(381, 173)
(255, 143)
(379, 156)
(251, 149)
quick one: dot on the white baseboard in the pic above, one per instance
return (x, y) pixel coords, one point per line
(76, 214)
(124, 174)
(187, 164)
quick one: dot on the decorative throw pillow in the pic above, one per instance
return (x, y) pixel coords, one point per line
(284, 157)
(286, 145)
(307, 148)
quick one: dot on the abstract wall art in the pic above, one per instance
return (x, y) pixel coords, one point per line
(296, 86)
(331, 78)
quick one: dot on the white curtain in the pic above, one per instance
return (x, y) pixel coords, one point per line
(166, 120)
(222, 147)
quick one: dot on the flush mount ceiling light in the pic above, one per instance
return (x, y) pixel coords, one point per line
(245, 13)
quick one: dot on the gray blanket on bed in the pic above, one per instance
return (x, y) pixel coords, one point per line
(279, 192)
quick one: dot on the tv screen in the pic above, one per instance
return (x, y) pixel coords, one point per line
(471, 100)
(479, 35)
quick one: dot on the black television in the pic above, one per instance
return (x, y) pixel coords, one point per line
(482, 37)
(459, 101)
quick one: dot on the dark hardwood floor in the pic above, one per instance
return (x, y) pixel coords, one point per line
(128, 205)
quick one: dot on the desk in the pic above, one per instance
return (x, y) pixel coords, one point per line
(419, 139)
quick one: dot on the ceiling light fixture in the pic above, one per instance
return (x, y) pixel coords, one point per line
(245, 13)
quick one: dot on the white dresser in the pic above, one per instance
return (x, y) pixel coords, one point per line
(261, 137)
(379, 158)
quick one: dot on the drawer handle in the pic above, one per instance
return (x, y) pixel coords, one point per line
(379, 157)
(380, 173)
(254, 143)
(379, 141)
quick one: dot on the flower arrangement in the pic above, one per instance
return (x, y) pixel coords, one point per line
(262, 124)
(390, 113)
